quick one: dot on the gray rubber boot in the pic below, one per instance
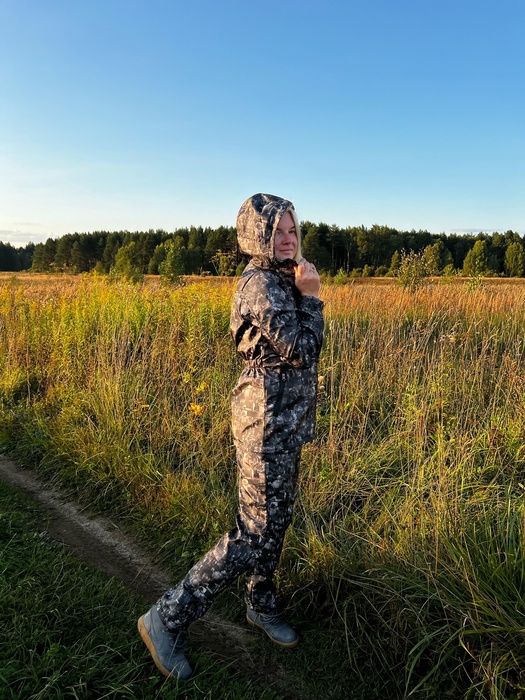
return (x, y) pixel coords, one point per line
(275, 626)
(166, 648)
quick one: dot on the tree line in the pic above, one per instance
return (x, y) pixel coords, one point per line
(352, 251)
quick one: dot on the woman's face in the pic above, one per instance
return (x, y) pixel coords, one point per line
(285, 242)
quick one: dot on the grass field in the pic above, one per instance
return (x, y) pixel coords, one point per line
(407, 542)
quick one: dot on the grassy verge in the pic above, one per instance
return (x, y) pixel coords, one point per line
(70, 632)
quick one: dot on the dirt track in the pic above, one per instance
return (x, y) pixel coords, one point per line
(101, 544)
(96, 541)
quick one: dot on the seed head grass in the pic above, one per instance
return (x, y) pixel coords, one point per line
(409, 526)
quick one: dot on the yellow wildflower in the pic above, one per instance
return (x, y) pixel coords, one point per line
(197, 409)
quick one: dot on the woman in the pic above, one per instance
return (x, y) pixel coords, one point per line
(277, 326)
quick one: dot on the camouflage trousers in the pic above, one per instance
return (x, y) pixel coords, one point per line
(267, 489)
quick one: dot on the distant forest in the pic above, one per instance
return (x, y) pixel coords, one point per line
(353, 251)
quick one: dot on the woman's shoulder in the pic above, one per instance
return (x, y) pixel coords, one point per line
(257, 284)
(254, 276)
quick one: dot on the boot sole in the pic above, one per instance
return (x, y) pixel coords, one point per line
(290, 645)
(147, 641)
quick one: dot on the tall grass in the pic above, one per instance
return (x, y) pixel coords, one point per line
(409, 530)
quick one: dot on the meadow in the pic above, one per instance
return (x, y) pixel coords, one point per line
(408, 536)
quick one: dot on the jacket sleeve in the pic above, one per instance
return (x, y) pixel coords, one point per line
(294, 332)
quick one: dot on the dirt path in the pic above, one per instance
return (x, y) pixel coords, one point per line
(94, 540)
(101, 544)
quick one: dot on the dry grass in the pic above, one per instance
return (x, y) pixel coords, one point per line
(410, 526)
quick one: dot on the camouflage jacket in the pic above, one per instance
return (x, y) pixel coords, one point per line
(279, 334)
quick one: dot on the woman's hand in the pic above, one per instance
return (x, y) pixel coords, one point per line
(307, 279)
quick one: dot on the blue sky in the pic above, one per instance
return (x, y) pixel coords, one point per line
(120, 114)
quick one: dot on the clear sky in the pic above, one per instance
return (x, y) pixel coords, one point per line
(128, 114)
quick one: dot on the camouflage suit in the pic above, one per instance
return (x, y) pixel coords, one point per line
(279, 334)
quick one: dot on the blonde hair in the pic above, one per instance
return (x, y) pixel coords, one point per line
(298, 255)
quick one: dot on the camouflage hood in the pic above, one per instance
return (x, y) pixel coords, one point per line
(257, 221)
